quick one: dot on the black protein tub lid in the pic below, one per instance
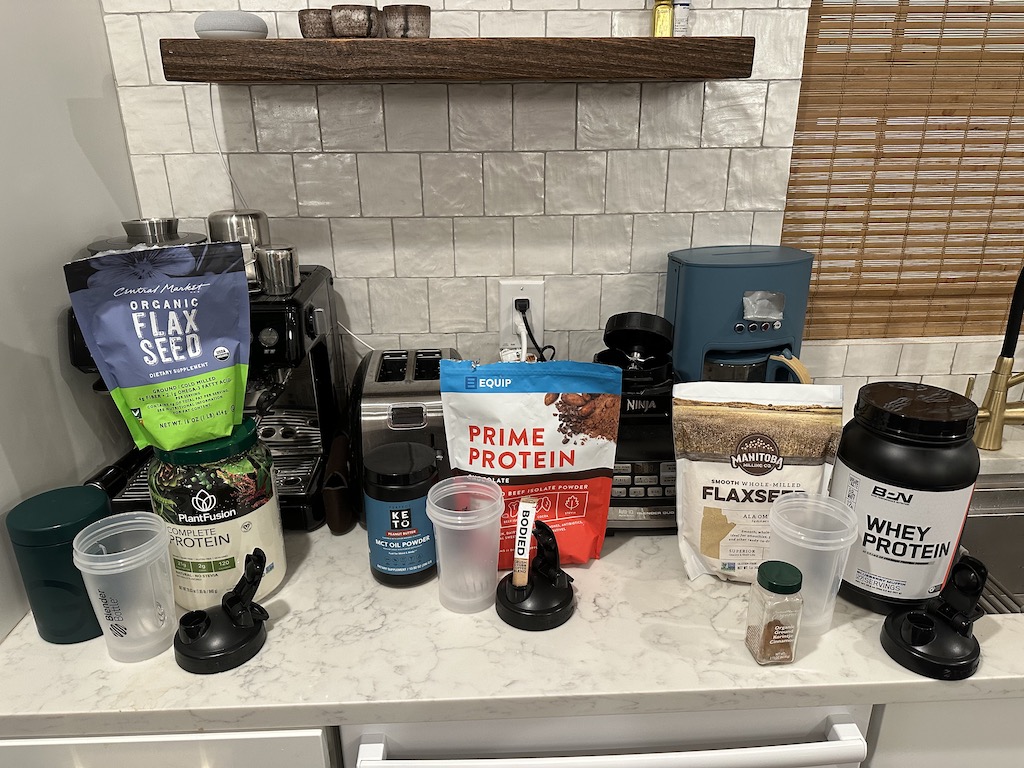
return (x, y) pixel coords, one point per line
(399, 464)
(906, 409)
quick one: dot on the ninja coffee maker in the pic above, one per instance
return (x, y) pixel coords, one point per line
(644, 477)
(295, 392)
(738, 312)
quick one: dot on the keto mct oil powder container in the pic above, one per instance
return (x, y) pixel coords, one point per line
(906, 466)
(219, 503)
(396, 478)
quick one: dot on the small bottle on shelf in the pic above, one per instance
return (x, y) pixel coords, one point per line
(661, 19)
(680, 14)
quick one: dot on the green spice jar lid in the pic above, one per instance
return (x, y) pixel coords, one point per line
(55, 517)
(779, 577)
(242, 438)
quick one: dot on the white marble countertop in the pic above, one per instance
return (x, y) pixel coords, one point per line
(343, 649)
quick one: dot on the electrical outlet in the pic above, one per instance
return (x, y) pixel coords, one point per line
(508, 292)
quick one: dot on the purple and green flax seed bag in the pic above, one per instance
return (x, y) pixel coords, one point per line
(169, 331)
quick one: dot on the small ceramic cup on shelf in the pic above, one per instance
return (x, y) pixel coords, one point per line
(356, 21)
(407, 20)
(316, 22)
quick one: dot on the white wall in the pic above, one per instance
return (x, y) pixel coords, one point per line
(65, 181)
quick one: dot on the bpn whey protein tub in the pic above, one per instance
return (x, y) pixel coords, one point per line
(907, 467)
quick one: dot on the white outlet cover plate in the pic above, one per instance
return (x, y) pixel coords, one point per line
(509, 291)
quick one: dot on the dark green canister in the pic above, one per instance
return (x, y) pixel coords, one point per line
(42, 529)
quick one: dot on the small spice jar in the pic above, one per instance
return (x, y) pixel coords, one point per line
(773, 613)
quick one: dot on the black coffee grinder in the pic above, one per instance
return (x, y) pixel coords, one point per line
(644, 479)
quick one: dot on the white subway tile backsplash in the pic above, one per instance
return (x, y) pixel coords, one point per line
(310, 237)
(579, 24)
(271, 5)
(670, 114)
(697, 179)
(458, 304)
(480, 116)
(327, 184)
(481, 347)
(873, 360)
(636, 181)
(512, 24)
(513, 183)
(631, 23)
(198, 184)
(430, 340)
(574, 182)
(758, 179)
(266, 181)
(628, 293)
(157, 105)
(708, 23)
(543, 245)
(783, 59)
(601, 244)
(389, 184)
(612, 5)
(151, 186)
(477, 5)
(424, 247)
(363, 248)
(767, 228)
(400, 305)
(127, 53)
(483, 246)
(287, 25)
(204, 5)
(286, 118)
(608, 115)
(655, 236)
(572, 303)
(416, 117)
(353, 303)
(455, 24)
(927, 359)
(544, 5)
(824, 359)
(135, 6)
(975, 356)
(351, 117)
(156, 27)
(453, 184)
(780, 113)
(734, 113)
(583, 345)
(543, 116)
(721, 228)
(232, 106)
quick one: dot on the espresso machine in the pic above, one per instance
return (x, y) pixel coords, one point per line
(295, 392)
(738, 312)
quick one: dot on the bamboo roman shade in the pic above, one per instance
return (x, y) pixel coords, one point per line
(907, 179)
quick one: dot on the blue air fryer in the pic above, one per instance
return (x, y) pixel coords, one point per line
(738, 312)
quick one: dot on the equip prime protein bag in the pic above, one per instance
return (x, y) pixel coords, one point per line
(168, 329)
(546, 430)
(739, 446)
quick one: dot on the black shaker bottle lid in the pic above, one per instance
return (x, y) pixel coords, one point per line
(55, 517)
(915, 411)
(399, 464)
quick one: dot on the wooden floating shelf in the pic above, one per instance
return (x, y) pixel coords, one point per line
(457, 59)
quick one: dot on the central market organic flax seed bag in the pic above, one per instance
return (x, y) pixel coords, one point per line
(168, 328)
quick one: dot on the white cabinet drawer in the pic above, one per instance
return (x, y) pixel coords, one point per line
(243, 749)
(815, 737)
